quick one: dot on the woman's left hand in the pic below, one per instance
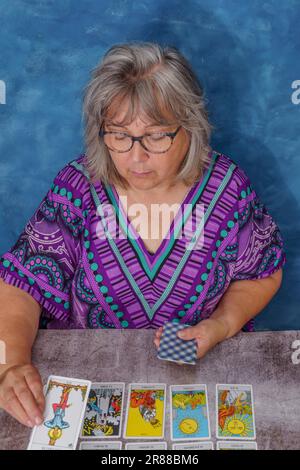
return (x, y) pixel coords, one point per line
(207, 334)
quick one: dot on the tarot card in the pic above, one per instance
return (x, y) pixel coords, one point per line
(172, 348)
(189, 412)
(145, 414)
(146, 446)
(236, 445)
(104, 410)
(194, 446)
(107, 445)
(235, 412)
(66, 400)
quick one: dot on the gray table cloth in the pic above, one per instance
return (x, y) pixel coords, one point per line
(263, 359)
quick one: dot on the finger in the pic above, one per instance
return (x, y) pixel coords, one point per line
(28, 402)
(16, 410)
(159, 332)
(35, 385)
(157, 337)
(202, 348)
(156, 342)
(188, 333)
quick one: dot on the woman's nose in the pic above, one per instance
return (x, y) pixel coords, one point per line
(138, 153)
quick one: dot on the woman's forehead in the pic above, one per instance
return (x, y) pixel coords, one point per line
(121, 112)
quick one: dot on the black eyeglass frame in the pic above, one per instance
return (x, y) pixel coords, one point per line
(172, 135)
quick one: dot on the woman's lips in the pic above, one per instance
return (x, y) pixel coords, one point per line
(140, 173)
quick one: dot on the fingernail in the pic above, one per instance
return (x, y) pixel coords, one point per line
(30, 424)
(38, 421)
(180, 335)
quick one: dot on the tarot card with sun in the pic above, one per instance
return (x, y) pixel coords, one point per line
(189, 412)
(235, 412)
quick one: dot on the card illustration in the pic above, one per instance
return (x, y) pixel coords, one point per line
(145, 412)
(235, 414)
(103, 414)
(65, 403)
(189, 412)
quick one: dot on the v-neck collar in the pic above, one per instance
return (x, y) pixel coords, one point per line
(151, 263)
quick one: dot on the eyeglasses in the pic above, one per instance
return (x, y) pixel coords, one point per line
(156, 142)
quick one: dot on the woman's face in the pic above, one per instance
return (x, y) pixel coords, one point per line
(160, 168)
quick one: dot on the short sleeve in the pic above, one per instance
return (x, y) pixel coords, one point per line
(259, 244)
(43, 260)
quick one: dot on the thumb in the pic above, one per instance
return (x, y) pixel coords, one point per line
(187, 333)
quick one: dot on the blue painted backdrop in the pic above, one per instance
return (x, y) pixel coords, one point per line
(245, 53)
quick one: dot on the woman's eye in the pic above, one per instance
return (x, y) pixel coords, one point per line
(156, 136)
(120, 136)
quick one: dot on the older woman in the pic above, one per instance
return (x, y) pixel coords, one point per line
(95, 253)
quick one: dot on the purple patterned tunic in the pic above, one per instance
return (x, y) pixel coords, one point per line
(72, 258)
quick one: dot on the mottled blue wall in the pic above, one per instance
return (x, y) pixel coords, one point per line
(245, 52)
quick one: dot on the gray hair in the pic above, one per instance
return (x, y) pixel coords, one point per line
(158, 80)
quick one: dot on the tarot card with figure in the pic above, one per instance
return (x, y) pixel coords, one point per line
(189, 412)
(66, 400)
(235, 412)
(145, 414)
(104, 409)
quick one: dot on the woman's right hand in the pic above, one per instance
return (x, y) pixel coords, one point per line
(21, 393)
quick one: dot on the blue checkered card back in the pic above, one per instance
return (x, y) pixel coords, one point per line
(172, 348)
